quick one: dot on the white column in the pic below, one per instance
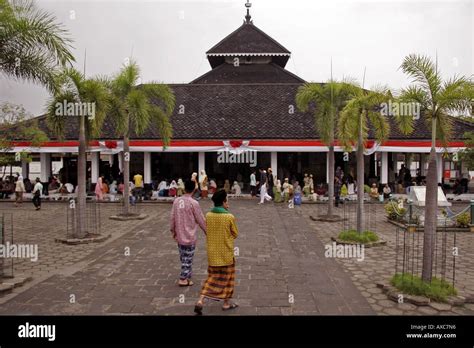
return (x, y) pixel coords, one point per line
(201, 162)
(95, 158)
(394, 165)
(439, 166)
(274, 163)
(120, 158)
(45, 166)
(147, 167)
(25, 169)
(424, 157)
(384, 169)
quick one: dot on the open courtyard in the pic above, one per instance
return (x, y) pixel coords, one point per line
(281, 267)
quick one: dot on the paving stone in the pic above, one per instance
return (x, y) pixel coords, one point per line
(281, 253)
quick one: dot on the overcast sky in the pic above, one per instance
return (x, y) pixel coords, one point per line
(169, 38)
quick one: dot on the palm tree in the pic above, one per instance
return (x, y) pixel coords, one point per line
(134, 108)
(73, 87)
(438, 100)
(359, 114)
(32, 44)
(329, 99)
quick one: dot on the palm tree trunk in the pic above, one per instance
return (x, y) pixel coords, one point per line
(431, 208)
(360, 180)
(360, 188)
(80, 231)
(126, 170)
(331, 181)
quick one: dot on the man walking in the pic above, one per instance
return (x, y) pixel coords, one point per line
(263, 187)
(37, 190)
(221, 233)
(186, 215)
(253, 184)
(270, 183)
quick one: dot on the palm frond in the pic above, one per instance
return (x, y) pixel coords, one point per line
(424, 72)
(138, 110)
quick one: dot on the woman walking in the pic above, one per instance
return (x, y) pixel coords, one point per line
(99, 189)
(221, 233)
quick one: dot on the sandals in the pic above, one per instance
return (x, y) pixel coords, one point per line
(231, 306)
(198, 309)
(188, 283)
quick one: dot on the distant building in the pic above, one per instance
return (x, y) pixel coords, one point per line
(246, 102)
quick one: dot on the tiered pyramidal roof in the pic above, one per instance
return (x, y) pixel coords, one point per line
(248, 55)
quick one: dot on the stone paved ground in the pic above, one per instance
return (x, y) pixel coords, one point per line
(281, 267)
(379, 262)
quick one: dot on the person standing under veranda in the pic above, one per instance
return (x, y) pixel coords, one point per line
(337, 190)
(221, 233)
(99, 190)
(270, 182)
(263, 187)
(19, 191)
(253, 184)
(186, 215)
(37, 190)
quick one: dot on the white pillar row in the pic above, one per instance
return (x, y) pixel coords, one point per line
(439, 166)
(384, 169)
(25, 169)
(201, 162)
(45, 166)
(147, 167)
(95, 160)
(274, 163)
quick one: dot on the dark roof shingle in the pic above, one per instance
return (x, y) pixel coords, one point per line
(245, 112)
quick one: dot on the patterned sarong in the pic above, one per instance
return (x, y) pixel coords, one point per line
(220, 282)
(186, 254)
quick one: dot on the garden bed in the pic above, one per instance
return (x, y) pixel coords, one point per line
(439, 295)
(367, 238)
(421, 228)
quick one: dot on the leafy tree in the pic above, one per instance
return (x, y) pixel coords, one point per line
(32, 44)
(74, 88)
(328, 99)
(438, 100)
(134, 109)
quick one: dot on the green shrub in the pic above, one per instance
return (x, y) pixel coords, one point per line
(393, 212)
(353, 236)
(438, 290)
(463, 220)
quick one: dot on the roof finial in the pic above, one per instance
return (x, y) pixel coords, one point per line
(248, 17)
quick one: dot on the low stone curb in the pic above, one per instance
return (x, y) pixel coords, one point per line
(128, 218)
(323, 218)
(421, 301)
(76, 241)
(10, 284)
(366, 245)
(439, 229)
